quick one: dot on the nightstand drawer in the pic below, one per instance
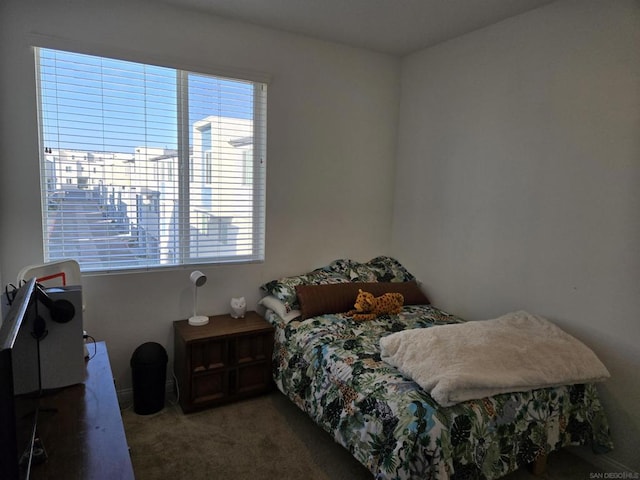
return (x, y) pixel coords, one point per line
(252, 378)
(209, 387)
(208, 355)
(250, 348)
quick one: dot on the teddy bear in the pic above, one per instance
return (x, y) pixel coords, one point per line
(368, 307)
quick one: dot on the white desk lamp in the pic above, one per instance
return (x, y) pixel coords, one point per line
(198, 279)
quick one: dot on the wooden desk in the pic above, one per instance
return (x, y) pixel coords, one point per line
(84, 436)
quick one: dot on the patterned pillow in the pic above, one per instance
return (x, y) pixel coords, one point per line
(284, 289)
(387, 269)
(379, 269)
(354, 271)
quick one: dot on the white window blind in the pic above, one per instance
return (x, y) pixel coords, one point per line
(145, 166)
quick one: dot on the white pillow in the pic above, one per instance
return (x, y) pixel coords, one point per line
(278, 306)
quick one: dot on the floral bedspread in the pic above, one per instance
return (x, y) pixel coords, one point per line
(330, 367)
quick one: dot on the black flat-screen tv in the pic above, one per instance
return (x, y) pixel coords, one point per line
(19, 381)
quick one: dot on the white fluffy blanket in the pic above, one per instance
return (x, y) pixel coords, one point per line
(477, 359)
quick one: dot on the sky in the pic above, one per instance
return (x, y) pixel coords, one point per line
(106, 105)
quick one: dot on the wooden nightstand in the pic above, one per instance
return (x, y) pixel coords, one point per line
(225, 360)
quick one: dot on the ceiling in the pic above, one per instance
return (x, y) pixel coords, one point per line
(398, 27)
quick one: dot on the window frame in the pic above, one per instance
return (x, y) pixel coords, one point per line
(185, 174)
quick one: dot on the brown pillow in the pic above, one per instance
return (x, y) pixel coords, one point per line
(340, 297)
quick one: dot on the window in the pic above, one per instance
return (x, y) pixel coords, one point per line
(167, 153)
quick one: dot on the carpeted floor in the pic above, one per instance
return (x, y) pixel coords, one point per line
(266, 437)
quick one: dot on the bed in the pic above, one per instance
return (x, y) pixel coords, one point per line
(330, 366)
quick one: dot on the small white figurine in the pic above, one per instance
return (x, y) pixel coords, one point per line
(238, 307)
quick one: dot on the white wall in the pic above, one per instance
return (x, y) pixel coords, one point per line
(518, 181)
(332, 116)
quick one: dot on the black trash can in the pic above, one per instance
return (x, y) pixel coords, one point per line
(149, 374)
